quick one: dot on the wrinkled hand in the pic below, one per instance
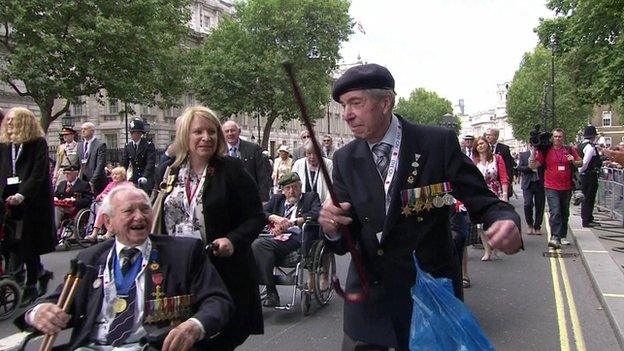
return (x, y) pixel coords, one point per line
(275, 230)
(50, 319)
(332, 217)
(182, 337)
(504, 235)
(222, 247)
(14, 200)
(280, 222)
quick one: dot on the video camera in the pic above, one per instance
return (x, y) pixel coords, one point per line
(540, 140)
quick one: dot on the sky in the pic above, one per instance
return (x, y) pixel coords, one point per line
(459, 49)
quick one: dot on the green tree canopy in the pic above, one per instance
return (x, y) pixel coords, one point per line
(239, 65)
(424, 107)
(589, 38)
(67, 49)
(526, 97)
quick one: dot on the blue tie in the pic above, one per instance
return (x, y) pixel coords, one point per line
(121, 328)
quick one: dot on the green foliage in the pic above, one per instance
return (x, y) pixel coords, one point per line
(239, 65)
(67, 49)
(526, 93)
(589, 36)
(424, 107)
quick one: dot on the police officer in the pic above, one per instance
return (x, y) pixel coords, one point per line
(589, 174)
(139, 157)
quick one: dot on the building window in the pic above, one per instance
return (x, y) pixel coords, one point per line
(190, 100)
(145, 110)
(111, 141)
(78, 109)
(113, 107)
(607, 141)
(206, 22)
(606, 118)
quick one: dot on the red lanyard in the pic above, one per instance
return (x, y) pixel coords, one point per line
(190, 193)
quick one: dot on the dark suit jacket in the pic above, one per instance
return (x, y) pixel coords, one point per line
(93, 171)
(384, 318)
(308, 207)
(186, 270)
(37, 210)
(143, 161)
(257, 165)
(81, 190)
(526, 173)
(503, 150)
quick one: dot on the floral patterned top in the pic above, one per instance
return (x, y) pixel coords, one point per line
(494, 176)
(184, 218)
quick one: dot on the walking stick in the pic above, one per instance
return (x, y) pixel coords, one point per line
(355, 255)
(77, 271)
(158, 202)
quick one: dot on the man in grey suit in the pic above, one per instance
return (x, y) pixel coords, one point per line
(254, 161)
(395, 184)
(92, 156)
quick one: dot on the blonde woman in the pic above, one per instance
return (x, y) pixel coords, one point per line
(66, 155)
(118, 175)
(282, 165)
(26, 189)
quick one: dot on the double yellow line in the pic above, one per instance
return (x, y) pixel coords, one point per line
(564, 337)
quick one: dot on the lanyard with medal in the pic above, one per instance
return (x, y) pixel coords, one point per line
(312, 180)
(392, 167)
(191, 195)
(15, 154)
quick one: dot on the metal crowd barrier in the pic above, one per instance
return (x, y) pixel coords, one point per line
(610, 196)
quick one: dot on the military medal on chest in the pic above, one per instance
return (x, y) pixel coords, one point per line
(416, 200)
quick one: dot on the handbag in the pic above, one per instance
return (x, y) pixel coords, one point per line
(440, 321)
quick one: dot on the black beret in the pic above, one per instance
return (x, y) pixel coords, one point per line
(369, 76)
(289, 178)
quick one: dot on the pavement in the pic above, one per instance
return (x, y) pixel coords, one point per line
(604, 265)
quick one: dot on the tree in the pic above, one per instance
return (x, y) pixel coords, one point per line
(526, 99)
(424, 107)
(239, 64)
(67, 49)
(589, 37)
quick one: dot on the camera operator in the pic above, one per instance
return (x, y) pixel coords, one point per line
(532, 185)
(558, 161)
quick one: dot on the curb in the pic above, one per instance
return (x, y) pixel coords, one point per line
(606, 276)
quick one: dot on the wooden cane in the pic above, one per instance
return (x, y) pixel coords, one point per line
(355, 255)
(77, 271)
(158, 203)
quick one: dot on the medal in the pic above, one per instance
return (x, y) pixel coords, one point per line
(448, 199)
(437, 202)
(154, 266)
(119, 305)
(97, 283)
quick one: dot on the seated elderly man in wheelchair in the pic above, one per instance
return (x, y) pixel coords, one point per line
(138, 289)
(286, 214)
(71, 195)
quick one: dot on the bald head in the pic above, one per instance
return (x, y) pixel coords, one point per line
(232, 131)
(87, 130)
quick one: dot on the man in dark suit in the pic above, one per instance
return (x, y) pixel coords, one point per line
(286, 213)
(395, 183)
(532, 184)
(254, 162)
(167, 281)
(491, 135)
(92, 157)
(72, 188)
(139, 157)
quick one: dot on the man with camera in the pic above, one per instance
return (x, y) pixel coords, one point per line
(558, 161)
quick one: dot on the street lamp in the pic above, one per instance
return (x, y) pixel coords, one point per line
(553, 47)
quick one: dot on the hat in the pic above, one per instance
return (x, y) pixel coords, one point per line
(71, 168)
(284, 148)
(66, 130)
(369, 76)
(468, 137)
(137, 125)
(590, 131)
(289, 178)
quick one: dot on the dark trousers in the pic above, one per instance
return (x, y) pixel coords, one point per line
(267, 252)
(589, 186)
(559, 210)
(534, 198)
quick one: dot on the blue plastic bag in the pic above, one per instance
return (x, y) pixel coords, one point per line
(440, 321)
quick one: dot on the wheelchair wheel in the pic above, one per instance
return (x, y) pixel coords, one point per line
(10, 298)
(324, 268)
(81, 226)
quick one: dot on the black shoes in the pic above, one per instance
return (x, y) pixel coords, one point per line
(43, 280)
(271, 300)
(555, 243)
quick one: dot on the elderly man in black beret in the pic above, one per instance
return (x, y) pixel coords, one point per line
(285, 213)
(396, 183)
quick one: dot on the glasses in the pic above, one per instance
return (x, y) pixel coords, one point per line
(305, 137)
(326, 140)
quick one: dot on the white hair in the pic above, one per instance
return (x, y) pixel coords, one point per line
(88, 125)
(107, 204)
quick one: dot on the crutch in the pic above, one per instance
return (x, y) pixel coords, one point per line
(76, 272)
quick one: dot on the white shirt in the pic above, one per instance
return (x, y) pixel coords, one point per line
(589, 151)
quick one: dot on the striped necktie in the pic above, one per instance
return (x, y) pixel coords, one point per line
(382, 152)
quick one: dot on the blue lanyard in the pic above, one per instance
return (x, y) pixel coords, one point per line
(123, 283)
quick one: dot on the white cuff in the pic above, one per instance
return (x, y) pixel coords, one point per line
(201, 327)
(29, 317)
(332, 238)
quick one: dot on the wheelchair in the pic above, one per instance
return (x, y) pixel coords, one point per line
(10, 271)
(309, 273)
(74, 225)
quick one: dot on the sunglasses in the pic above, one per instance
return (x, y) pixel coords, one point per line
(305, 137)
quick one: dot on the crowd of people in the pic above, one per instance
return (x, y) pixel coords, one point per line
(403, 190)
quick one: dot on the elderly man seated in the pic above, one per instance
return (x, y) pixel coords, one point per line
(286, 213)
(137, 285)
(74, 191)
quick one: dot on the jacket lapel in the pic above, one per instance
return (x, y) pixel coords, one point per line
(96, 291)
(365, 174)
